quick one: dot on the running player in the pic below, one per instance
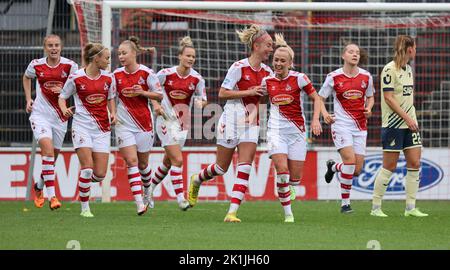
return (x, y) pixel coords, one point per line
(136, 84)
(400, 130)
(286, 126)
(238, 125)
(181, 85)
(94, 91)
(352, 89)
(47, 120)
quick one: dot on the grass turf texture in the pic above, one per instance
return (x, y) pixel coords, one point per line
(318, 225)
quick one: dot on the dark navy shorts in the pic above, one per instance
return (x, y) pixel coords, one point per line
(398, 139)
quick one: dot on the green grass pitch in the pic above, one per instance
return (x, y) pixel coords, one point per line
(318, 225)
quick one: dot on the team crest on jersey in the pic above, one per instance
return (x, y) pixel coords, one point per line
(191, 87)
(141, 81)
(288, 88)
(363, 84)
(105, 87)
(63, 74)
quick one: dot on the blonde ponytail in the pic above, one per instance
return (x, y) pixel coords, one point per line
(401, 45)
(185, 42)
(250, 35)
(135, 44)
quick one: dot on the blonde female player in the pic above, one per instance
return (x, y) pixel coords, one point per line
(135, 84)
(400, 130)
(238, 125)
(286, 126)
(47, 120)
(181, 85)
(352, 89)
(94, 91)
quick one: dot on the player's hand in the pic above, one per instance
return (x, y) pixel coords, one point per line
(160, 111)
(113, 118)
(412, 124)
(198, 103)
(56, 89)
(68, 112)
(329, 118)
(367, 113)
(256, 91)
(138, 91)
(29, 107)
(316, 127)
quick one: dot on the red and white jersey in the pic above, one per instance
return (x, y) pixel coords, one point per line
(133, 112)
(179, 93)
(46, 102)
(349, 94)
(241, 76)
(286, 105)
(91, 99)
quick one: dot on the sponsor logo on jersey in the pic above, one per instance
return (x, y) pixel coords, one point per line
(95, 98)
(352, 94)
(282, 99)
(431, 174)
(407, 90)
(128, 92)
(178, 94)
(51, 84)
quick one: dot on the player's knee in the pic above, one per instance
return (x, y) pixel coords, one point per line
(414, 164)
(131, 161)
(177, 161)
(142, 165)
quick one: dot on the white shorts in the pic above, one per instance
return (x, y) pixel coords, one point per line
(230, 135)
(142, 140)
(42, 128)
(344, 137)
(98, 141)
(170, 132)
(293, 145)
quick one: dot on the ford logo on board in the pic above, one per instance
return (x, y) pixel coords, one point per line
(431, 174)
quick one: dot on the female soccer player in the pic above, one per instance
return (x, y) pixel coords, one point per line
(181, 85)
(239, 122)
(47, 120)
(400, 130)
(286, 125)
(94, 91)
(135, 84)
(352, 89)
